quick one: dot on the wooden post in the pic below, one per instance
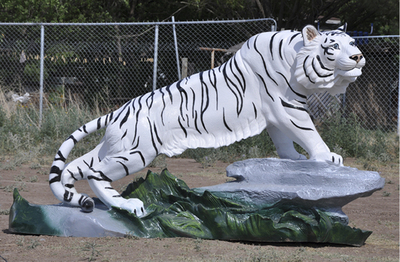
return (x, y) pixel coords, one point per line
(213, 53)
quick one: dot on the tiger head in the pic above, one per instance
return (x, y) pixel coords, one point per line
(328, 61)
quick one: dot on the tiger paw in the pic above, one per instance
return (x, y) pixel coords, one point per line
(132, 205)
(329, 157)
(87, 205)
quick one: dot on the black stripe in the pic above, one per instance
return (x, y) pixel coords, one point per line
(285, 104)
(193, 102)
(141, 156)
(55, 179)
(60, 156)
(150, 97)
(89, 165)
(102, 177)
(55, 170)
(263, 60)
(162, 111)
(180, 124)
(213, 81)
(271, 44)
(287, 82)
(106, 121)
(122, 110)
(81, 200)
(300, 127)
(169, 92)
(80, 172)
(265, 86)
(98, 123)
(69, 185)
(121, 157)
(152, 137)
(157, 136)
(136, 123)
(223, 117)
(72, 175)
(305, 72)
(291, 39)
(239, 98)
(123, 121)
(326, 50)
(280, 49)
(205, 100)
(322, 65)
(182, 93)
(243, 85)
(124, 134)
(195, 123)
(68, 196)
(73, 139)
(255, 110)
(137, 143)
(125, 168)
(84, 129)
(318, 74)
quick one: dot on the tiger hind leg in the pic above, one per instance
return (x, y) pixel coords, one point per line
(112, 168)
(75, 171)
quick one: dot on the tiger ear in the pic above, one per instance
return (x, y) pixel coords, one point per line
(309, 33)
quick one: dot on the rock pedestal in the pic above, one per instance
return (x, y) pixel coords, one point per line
(264, 182)
(271, 201)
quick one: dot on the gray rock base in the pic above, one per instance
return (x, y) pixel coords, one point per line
(264, 182)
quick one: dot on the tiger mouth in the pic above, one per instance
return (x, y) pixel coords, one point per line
(349, 73)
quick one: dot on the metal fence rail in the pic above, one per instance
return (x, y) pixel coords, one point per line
(110, 63)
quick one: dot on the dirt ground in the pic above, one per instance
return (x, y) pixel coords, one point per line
(378, 213)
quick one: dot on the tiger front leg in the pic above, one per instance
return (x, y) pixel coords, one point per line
(283, 144)
(296, 125)
(312, 142)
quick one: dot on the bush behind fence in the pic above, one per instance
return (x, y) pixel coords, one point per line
(108, 64)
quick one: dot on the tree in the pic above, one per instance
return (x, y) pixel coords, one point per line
(289, 14)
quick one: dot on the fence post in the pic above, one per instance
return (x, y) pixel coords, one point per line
(155, 58)
(41, 73)
(398, 106)
(176, 48)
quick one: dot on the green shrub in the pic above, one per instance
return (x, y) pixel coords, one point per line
(23, 138)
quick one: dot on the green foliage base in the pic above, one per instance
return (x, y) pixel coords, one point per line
(175, 210)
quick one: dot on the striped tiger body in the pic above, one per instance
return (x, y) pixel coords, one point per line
(264, 85)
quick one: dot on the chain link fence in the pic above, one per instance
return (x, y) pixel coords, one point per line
(112, 63)
(108, 64)
(373, 98)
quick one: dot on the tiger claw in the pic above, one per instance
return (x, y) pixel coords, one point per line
(133, 205)
(329, 157)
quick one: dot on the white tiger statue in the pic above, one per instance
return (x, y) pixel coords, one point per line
(264, 85)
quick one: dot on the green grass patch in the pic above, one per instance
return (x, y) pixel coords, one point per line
(26, 141)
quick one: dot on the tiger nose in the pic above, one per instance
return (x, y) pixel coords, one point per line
(356, 58)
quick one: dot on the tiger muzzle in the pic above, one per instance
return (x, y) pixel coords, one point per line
(357, 58)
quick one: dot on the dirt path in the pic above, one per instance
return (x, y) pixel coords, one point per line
(378, 213)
